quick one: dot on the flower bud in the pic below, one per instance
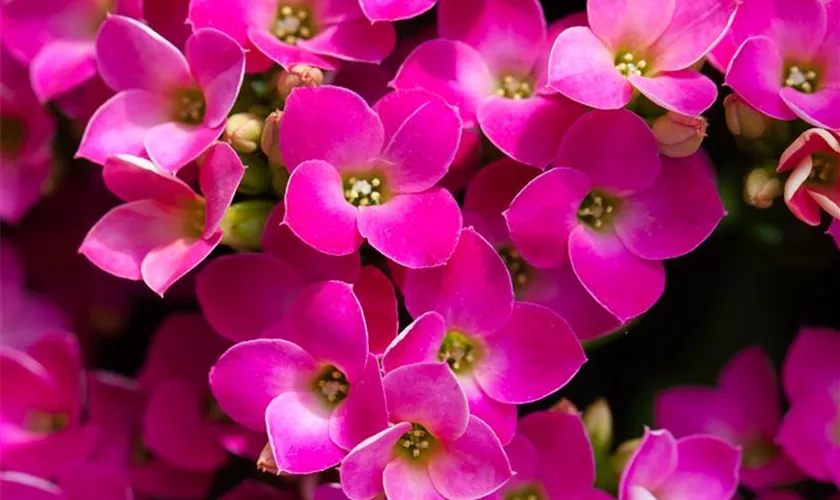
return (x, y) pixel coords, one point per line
(270, 140)
(243, 224)
(761, 187)
(622, 455)
(257, 178)
(564, 406)
(743, 120)
(300, 75)
(266, 463)
(243, 132)
(279, 181)
(679, 135)
(597, 418)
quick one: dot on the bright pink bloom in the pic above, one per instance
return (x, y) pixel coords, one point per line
(491, 65)
(435, 449)
(318, 391)
(744, 410)
(82, 482)
(169, 106)
(395, 10)
(28, 129)
(698, 467)
(503, 353)
(788, 65)
(488, 195)
(369, 173)
(164, 229)
(614, 210)
(813, 161)
(647, 46)
(810, 431)
(288, 32)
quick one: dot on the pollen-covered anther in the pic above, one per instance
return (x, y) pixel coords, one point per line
(823, 170)
(514, 88)
(190, 107)
(363, 192)
(801, 80)
(627, 65)
(518, 269)
(458, 351)
(293, 24)
(417, 441)
(335, 387)
(597, 210)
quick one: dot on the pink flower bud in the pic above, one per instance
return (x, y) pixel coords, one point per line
(300, 75)
(270, 140)
(761, 188)
(743, 120)
(679, 135)
(243, 132)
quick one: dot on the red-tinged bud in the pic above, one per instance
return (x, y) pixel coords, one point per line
(270, 140)
(564, 406)
(679, 135)
(299, 75)
(743, 120)
(266, 463)
(243, 131)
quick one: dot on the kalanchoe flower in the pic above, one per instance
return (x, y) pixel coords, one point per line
(395, 10)
(169, 106)
(744, 410)
(289, 32)
(788, 64)
(319, 393)
(360, 173)
(164, 229)
(647, 46)
(691, 468)
(503, 353)
(614, 210)
(435, 449)
(488, 195)
(810, 431)
(813, 161)
(26, 135)
(490, 63)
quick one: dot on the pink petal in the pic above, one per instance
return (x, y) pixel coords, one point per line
(673, 216)
(356, 40)
(234, 20)
(363, 413)
(797, 197)
(596, 142)
(167, 18)
(471, 466)
(422, 135)
(811, 362)
(317, 212)
(451, 69)
(21, 187)
(807, 432)
(217, 64)
(132, 178)
(414, 230)
(252, 373)
(172, 145)
(158, 479)
(362, 468)
(379, 303)
(819, 109)
(427, 394)
(685, 91)
(501, 417)
(654, 459)
(402, 479)
(167, 263)
(528, 130)
(62, 66)
(418, 343)
(630, 24)
(472, 291)
(750, 378)
(395, 10)
(330, 124)
(120, 125)
(532, 356)
(583, 69)
(755, 73)
(797, 29)
(690, 410)
(60, 354)
(623, 283)
(132, 56)
(509, 34)
(284, 54)
(326, 491)
(704, 464)
(21, 486)
(220, 172)
(544, 213)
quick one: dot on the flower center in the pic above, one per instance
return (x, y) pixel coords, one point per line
(801, 79)
(293, 24)
(363, 191)
(823, 170)
(598, 209)
(417, 442)
(47, 423)
(518, 269)
(512, 87)
(758, 453)
(12, 134)
(627, 64)
(459, 352)
(189, 106)
(331, 385)
(526, 493)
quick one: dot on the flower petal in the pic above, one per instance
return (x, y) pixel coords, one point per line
(755, 73)
(654, 459)
(284, 54)
(353, 40)
(379, 303)
(218, 65)
(629, 24)
(501, 417)
(220, 171)
(418, 343)
(819, 109)
(363, 466)
(685, 91)
(167, 263)
(706, 464)
(402, 479)
(172, 145)
(234, 20)
(62, 66)
(806, 432)
(750, 378)
(363, 413)
(395, 10)
(689, 410)
(811, 362)
(132, 178)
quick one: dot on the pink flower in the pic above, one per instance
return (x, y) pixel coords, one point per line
(788, 64)
(317, 391)
(164, 229)
(288, 32)
(614, 210)
(395, 10)
(503, 353)
(744, 410)
(491, 65)
(813, 161)
(169, 106)
(647, 46)
(82, 482)
(696, 467)
(488, 195)
(810, 431)
(435, 449)
(369, 173)
(28, 129)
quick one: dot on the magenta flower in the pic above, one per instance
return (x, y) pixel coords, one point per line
(503, 353)
(28, 129)
(813, 161)
(491, 65)
(744, 410)
(164, 229)
(288, 32)
(787, 66)
(169, 106)
(369, 173)
(647, 46)
(810, 431)
(318, 392)
(696, 467)
(615, 210)
(395, 10)
(488, 195)
(81, 482)
(435, 449)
